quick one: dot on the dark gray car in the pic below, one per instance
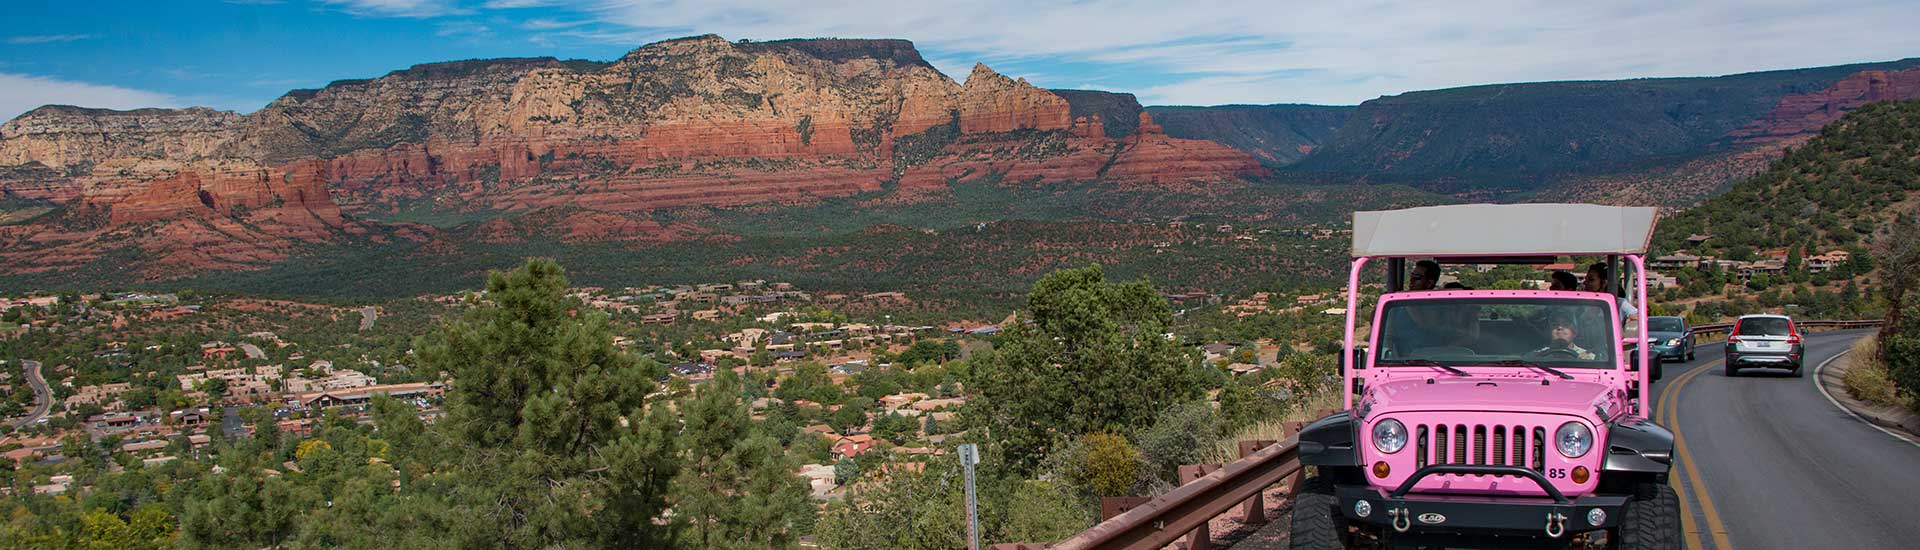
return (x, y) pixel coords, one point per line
(1672, 338)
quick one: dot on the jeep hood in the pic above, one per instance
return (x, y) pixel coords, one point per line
(1494, 393)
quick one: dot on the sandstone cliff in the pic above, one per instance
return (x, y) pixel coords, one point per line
(697, 121)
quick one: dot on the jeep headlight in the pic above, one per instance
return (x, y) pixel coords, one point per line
(1673, 342)
(1389, 436)
(1573, 439)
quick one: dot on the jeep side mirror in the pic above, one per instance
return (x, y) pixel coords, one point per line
(1653, 374)
(1358, 360)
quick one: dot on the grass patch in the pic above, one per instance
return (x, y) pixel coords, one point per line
(1867, 378)
(1227, 449)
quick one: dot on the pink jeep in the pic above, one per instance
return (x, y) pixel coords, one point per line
(1493, 417)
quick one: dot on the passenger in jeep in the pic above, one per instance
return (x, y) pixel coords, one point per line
(1562, 344)
(1426, 274)
(1564, 281)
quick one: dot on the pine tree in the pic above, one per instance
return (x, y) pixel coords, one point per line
(557, 447)
(737, 488)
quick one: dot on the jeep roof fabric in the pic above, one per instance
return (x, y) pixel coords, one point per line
(1470, 230)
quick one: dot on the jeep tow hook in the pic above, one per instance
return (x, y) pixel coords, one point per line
(1402, 519)
(1556, 524)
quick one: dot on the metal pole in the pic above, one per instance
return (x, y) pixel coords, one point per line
(970, 455)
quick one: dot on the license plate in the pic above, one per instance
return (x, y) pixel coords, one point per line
(1763, 345)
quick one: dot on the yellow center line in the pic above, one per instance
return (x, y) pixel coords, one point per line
(1714, 526)
(1664, 416)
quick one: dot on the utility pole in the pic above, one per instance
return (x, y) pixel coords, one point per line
(969, 456)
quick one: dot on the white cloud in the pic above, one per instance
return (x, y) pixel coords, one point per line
(399, 8)
(509, 4)
(463, 28)
(1261, 51)
(544, 24)
(20, 93)
(47, 38)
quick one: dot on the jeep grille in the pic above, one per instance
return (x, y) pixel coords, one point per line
(1480, 444)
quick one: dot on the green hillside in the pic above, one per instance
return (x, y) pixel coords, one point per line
(1841, 190)
(1518, 137)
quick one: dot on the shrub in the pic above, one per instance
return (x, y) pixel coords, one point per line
(1112, 466)
(1182, 434)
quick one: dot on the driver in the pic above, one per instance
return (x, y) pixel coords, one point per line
(1562, 344)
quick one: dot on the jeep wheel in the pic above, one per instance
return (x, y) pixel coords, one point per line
(1651, 520)
(1317, 522)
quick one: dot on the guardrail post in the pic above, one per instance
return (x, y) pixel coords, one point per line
(1256, 508)
(1201, 538)
(1298, 477)
(1113, 506)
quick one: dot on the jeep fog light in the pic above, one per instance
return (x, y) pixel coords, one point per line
(1573, 439)
(1363, 509)
(1389, 436)
(1596, 516)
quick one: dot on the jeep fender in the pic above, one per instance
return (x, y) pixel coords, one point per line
(1329, 441)
(1637, 445)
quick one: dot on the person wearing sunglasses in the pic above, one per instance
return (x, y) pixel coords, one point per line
(1426, 274)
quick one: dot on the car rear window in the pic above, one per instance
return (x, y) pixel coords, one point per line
(1765, 326)
(1663, 324)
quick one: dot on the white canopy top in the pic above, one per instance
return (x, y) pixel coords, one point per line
(1503, 230)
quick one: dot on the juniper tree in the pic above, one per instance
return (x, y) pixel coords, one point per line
(1094, 357)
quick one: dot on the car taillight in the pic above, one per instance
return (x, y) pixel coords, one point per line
(1733, 339)
(1793, 339)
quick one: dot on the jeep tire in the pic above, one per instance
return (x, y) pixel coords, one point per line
(1317, 521)
(1651, 520)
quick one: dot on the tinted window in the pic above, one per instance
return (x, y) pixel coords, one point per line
(1570, 333)
(1664, 324)
(1765, 326)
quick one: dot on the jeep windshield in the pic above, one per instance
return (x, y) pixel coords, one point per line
(1497, 331)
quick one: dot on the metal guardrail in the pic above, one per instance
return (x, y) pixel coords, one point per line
(1210, 491)
(1715, 328)
(1184, 511)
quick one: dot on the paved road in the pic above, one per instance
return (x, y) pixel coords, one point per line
(42, 396)
(1783, 467)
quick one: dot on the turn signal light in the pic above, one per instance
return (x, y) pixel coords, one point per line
(1580, 474)
(1381, 470)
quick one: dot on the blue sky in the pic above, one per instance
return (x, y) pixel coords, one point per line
(240, 54)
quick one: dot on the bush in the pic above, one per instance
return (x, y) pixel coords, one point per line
(1181, 435)
(1112, 466)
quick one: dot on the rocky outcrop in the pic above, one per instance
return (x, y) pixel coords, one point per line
(1801, 116)
(75, 138)
(1096, 113)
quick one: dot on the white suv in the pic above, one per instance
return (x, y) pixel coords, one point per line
(1764, 341)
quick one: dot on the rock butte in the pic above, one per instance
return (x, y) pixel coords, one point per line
(697, 121)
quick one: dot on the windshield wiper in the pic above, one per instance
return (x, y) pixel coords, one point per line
(1420, 363)
(1519, 363)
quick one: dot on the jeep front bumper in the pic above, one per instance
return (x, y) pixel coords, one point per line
(1551, 516)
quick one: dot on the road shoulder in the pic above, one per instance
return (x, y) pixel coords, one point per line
(1901, 421)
